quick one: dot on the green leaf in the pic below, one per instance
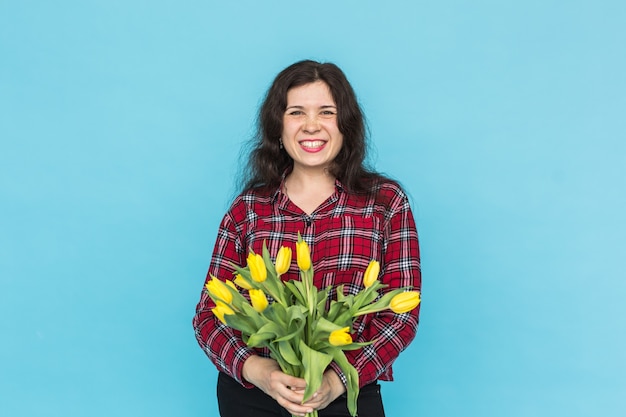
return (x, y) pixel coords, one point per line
(272, 327)
(253, 315)
(340, 295)
(276, 313)
(285, 366)
(322, 297)
(268, 332)
(259, 339)
(296, 313)
(352, 377)
(296, 322)
(348, 300)
(381, 304)
(305, 293)
(238, 299)
(315, 364)
(245, 271)
(288, 353)
(240, 322)
(295, 291)
(269, 265)
(365, 297)
(344, 317)
(354, 346)
(322, 326)
(334, 311)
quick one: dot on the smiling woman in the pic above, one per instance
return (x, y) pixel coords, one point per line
(311, 136)
(312, 139)
(307, 177)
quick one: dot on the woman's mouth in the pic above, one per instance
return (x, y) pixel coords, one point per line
(312, 145)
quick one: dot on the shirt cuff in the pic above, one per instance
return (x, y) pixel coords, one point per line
(241, 355)
(342, 376)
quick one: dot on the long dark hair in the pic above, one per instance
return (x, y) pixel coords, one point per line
(268, 162)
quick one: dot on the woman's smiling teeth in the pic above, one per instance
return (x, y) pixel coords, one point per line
(312, 144)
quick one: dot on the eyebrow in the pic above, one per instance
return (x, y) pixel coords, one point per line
(326, 106)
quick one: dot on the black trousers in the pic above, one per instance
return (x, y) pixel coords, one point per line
(234, 400)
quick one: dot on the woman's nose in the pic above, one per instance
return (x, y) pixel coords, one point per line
(311, 124)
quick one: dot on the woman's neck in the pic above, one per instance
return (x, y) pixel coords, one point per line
(309, 189)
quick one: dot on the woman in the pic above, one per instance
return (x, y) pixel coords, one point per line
(307, 175)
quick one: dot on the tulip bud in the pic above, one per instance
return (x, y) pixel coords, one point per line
(371, 273)
(239, 280)
(303, 255)
(340, 337)
(283, 260)
(258, 299)
(219, 290)
(220, 310)
(404, 302)
(258, 272)
(231, 285)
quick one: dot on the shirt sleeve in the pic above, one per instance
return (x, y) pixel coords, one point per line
(222, 344)
(390, 332)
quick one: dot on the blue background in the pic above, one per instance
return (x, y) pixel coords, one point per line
(121, 124)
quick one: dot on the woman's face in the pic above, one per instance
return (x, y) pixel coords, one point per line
(310, 132)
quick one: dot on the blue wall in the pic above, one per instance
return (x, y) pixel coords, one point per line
(120, 127)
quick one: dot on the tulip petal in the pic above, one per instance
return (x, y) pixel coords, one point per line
(258, 271)
(283, 260)
(340, 337)
(303, 255)
(405, 302)
(258, 299)
(371, 273)
(219, 290)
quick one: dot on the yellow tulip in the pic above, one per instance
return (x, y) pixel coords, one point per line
(340, 337)
(239, 280)
(231, 284)
(218, 289)
(404, 302)
(304, 255)
(259, 300)
(283, 260)
(258, 272)
(220, 310)
(371, 273)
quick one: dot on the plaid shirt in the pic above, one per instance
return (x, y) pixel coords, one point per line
(344, 234)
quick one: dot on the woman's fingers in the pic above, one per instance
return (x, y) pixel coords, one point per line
(331, 388)
(287, 390)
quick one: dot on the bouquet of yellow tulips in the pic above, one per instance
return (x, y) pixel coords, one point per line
(302, 330)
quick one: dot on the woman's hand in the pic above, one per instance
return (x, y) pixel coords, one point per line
(287, 390)
(331, 388)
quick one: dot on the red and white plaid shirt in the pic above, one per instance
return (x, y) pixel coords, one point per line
(344, 234)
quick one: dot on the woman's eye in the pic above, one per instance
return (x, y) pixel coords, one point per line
(328, 113)
(295, 113)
